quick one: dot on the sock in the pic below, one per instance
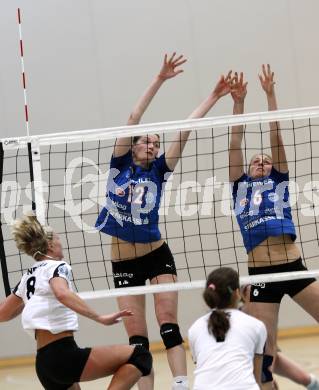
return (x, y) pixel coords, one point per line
(314, 383)
(180, 383)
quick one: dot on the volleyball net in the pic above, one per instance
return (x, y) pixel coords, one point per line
(63, 177)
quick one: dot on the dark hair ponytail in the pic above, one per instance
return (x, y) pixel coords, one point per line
(218, 295)
(219, 324)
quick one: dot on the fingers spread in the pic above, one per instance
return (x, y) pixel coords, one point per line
(264, 71)
(172, 57)
(177, 59)
(228, 77)
(180, 62)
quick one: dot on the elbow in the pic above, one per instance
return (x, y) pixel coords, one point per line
(3, 317)
(61, 295)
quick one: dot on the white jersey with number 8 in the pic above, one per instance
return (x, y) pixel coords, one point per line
(42, 310)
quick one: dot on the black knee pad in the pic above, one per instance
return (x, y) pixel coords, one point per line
(266, 374)
(171, 335)
(141, 359)
(140, 340)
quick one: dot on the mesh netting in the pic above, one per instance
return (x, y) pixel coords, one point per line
(196, 217)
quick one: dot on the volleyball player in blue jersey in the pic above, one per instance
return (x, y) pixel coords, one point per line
(261, 202)
(130, 216)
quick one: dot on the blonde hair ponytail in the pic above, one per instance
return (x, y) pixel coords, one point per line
(31, 237)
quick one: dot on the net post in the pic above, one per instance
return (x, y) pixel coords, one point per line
(31, 176)
(4, 269)
(36, 182)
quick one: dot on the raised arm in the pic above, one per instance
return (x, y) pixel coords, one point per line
(177, 146)
(236, 160)
(71, 300)
(278, 153)
(168, 71)
(10, 308)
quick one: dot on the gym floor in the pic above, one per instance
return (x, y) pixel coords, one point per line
(304, 350)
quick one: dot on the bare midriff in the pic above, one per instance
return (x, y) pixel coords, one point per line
(274, 251)
(44, 337)
(124, 250)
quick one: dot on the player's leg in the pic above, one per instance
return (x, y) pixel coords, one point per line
(166, 314)
(126, 363)
(136, 329)
(308, 299)
(130, 273)
(289, 369)
(264, 305)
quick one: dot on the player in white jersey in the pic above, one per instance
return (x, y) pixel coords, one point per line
(226, 344)
(49, 306)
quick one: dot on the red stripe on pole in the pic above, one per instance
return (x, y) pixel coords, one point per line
(23, 73)
(21, 47)
(26, 113)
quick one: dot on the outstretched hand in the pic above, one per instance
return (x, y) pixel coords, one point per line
(169, 67)
(238, 88)
(223, 86)
(114, 318)
(267, 79)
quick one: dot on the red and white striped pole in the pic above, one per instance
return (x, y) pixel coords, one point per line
(23, 75)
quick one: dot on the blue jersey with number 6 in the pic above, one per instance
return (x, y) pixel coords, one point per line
(262, 207)
(133, 196)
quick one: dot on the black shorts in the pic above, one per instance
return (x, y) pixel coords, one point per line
(273, 292)
(61, 363)
(135, 272)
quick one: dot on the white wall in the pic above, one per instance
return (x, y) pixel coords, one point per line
(88, 61)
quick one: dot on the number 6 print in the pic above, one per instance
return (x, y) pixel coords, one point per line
(257, 199)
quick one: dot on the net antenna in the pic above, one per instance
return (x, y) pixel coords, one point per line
(27, 165)
(38, 205)
(75, 165)
(24, 85)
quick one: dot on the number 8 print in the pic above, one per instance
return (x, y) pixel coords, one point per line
(31, 286)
